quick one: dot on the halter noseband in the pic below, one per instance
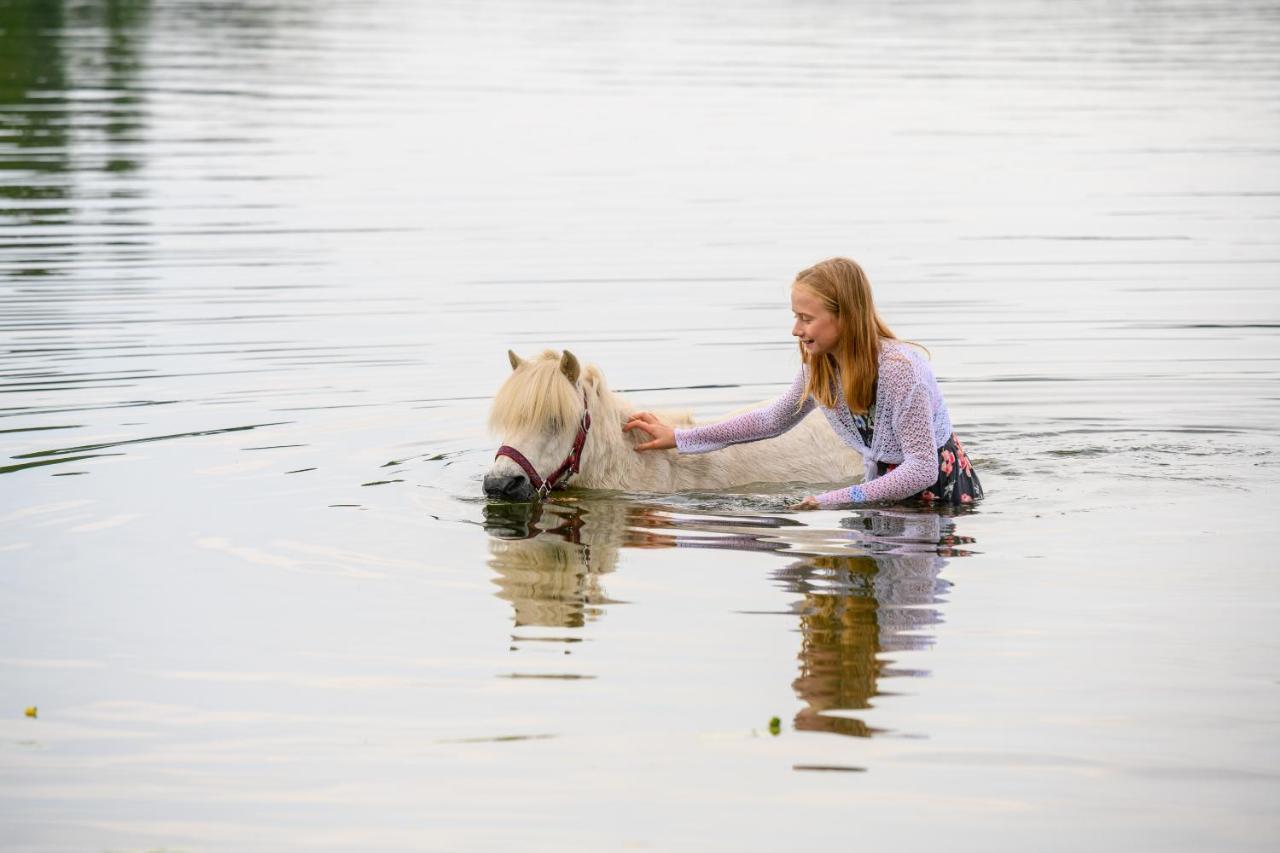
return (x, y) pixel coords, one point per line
(568, 467)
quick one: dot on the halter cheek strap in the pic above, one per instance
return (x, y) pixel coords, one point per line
(570, 466)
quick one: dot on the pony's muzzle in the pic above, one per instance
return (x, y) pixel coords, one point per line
(508, 487)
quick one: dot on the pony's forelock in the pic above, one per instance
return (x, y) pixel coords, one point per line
(536, 396)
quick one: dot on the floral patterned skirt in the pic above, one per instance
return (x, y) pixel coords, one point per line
(957, 482)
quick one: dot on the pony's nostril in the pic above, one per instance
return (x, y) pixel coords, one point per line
(518, 489)
(510, 487)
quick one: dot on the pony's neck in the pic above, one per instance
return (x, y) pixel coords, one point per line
(610, 459)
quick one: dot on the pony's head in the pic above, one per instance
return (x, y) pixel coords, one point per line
(537, 412)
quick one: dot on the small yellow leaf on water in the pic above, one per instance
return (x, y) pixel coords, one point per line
(31, 712)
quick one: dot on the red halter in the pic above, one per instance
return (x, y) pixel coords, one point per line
(568, 467)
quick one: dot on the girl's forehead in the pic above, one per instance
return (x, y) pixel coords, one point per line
(805, 300)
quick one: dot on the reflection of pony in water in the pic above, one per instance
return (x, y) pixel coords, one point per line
(542, 411)
(549, 556)
(549, 559)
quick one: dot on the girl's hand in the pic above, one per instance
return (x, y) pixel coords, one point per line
(808, 503)
(664, 437)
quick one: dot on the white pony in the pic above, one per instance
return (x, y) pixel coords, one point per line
(541, 410)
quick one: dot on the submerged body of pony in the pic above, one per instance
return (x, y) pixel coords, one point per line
(540, 412)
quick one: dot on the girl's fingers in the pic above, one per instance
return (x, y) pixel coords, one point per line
(661, 436)
(639, 420)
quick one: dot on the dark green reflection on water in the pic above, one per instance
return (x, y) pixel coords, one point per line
(69, 109)
(32, 74)
(868, 589)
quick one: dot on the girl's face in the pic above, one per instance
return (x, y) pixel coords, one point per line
(816, 327)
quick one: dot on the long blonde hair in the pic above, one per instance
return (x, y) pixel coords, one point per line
(845, 291)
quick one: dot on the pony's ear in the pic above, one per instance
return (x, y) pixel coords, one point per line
(516, 361)
(569, 366)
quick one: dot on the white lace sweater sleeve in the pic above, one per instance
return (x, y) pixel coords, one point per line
(766, 422)
(911, 409)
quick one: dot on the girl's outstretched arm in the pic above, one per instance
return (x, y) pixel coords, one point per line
(766, 422)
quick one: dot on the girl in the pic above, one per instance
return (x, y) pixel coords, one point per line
(878, 394)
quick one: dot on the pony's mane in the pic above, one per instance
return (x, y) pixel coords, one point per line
(537, 395)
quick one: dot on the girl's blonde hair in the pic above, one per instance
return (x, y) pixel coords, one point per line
(845, 291)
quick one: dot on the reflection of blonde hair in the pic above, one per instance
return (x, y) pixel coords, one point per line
(858, 565)
(845, 291)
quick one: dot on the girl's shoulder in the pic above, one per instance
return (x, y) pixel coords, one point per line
(893, 351)
(901, 361)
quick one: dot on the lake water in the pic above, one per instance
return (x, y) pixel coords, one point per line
(261, 263)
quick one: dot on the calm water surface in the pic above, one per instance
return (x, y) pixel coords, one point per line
(259, 266)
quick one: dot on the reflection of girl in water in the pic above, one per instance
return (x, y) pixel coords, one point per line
(853, 610)
(879, 395)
